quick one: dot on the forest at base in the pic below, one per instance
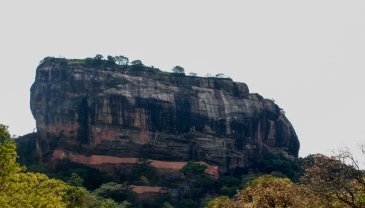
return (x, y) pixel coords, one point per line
(313, 181)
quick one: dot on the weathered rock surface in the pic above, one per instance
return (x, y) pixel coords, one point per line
(138, 112)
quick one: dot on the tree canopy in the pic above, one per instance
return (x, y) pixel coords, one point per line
(137, 63)
(25, 189)
(121, 60)
(338, 183)
(178, 69)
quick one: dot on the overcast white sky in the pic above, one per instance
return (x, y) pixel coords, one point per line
(307, 55)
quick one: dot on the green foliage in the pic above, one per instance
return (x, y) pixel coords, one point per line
(197, 181)
(277, 163)
(247, 179)
(268, 191)
(107, 203)
(25, 147)
(121, 60)
(158, 71)
(193, 74)
(143, 180)
(35, 190)
(22, 189)
(111, 59)
(220, 75)
(93, 177)
(115, 191)
(75, 180)
(137, 63)
(142, 172)
(228, 190)
(8, 164)
(196, 177)
(192, 169)
(188, 203)
(178, 69)
(228, 185)
(4, 133)
(99, 57)
(74, 196)
(162, 200)
(335, 181)
(36, 168)
(75, 61)
(93, 201)
(220, 202)
(167, 205)
(94, 62)
(53, 60)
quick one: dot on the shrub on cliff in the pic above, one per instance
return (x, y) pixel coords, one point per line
(94, 62)
(178, 69)
(115, 191)
(197, 181)
(54, 60)
(193, 74)
(143, 172)
(281, 165)
(121, 60)
(137, 63)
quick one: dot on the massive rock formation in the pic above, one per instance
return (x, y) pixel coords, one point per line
(136, 111)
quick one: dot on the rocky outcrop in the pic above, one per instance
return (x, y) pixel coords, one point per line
(136, 111)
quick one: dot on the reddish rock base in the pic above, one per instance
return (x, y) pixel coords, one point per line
(97, 160)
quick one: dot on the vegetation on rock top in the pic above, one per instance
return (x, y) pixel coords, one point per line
(122, 63)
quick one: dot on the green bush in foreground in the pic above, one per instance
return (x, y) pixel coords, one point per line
(24, 189)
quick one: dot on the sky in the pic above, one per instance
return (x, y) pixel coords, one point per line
(309, 56)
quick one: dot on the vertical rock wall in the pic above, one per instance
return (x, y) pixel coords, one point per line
(140, 113)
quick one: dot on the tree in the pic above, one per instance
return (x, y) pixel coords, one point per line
(143, 171)
(8, 164)
(93, 201)
(167, 205)
(193, 74)
(121, 60)
(75, 180)
(334, 180)
(220, 75)
(24, 189)
(178, 69)
(94, 62)
(276, 163)
(115, 191)
(109, 203)
(188, 203)
(111, 60)
(197, 181)
(268, 191)
(98, 60)
(192, 169)
(220, 202)
(228, 185)
(137, 63)
(98, 57)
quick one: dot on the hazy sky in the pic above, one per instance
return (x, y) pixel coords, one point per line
(307, 55)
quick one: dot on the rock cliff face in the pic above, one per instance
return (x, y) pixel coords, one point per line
(135, 111)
